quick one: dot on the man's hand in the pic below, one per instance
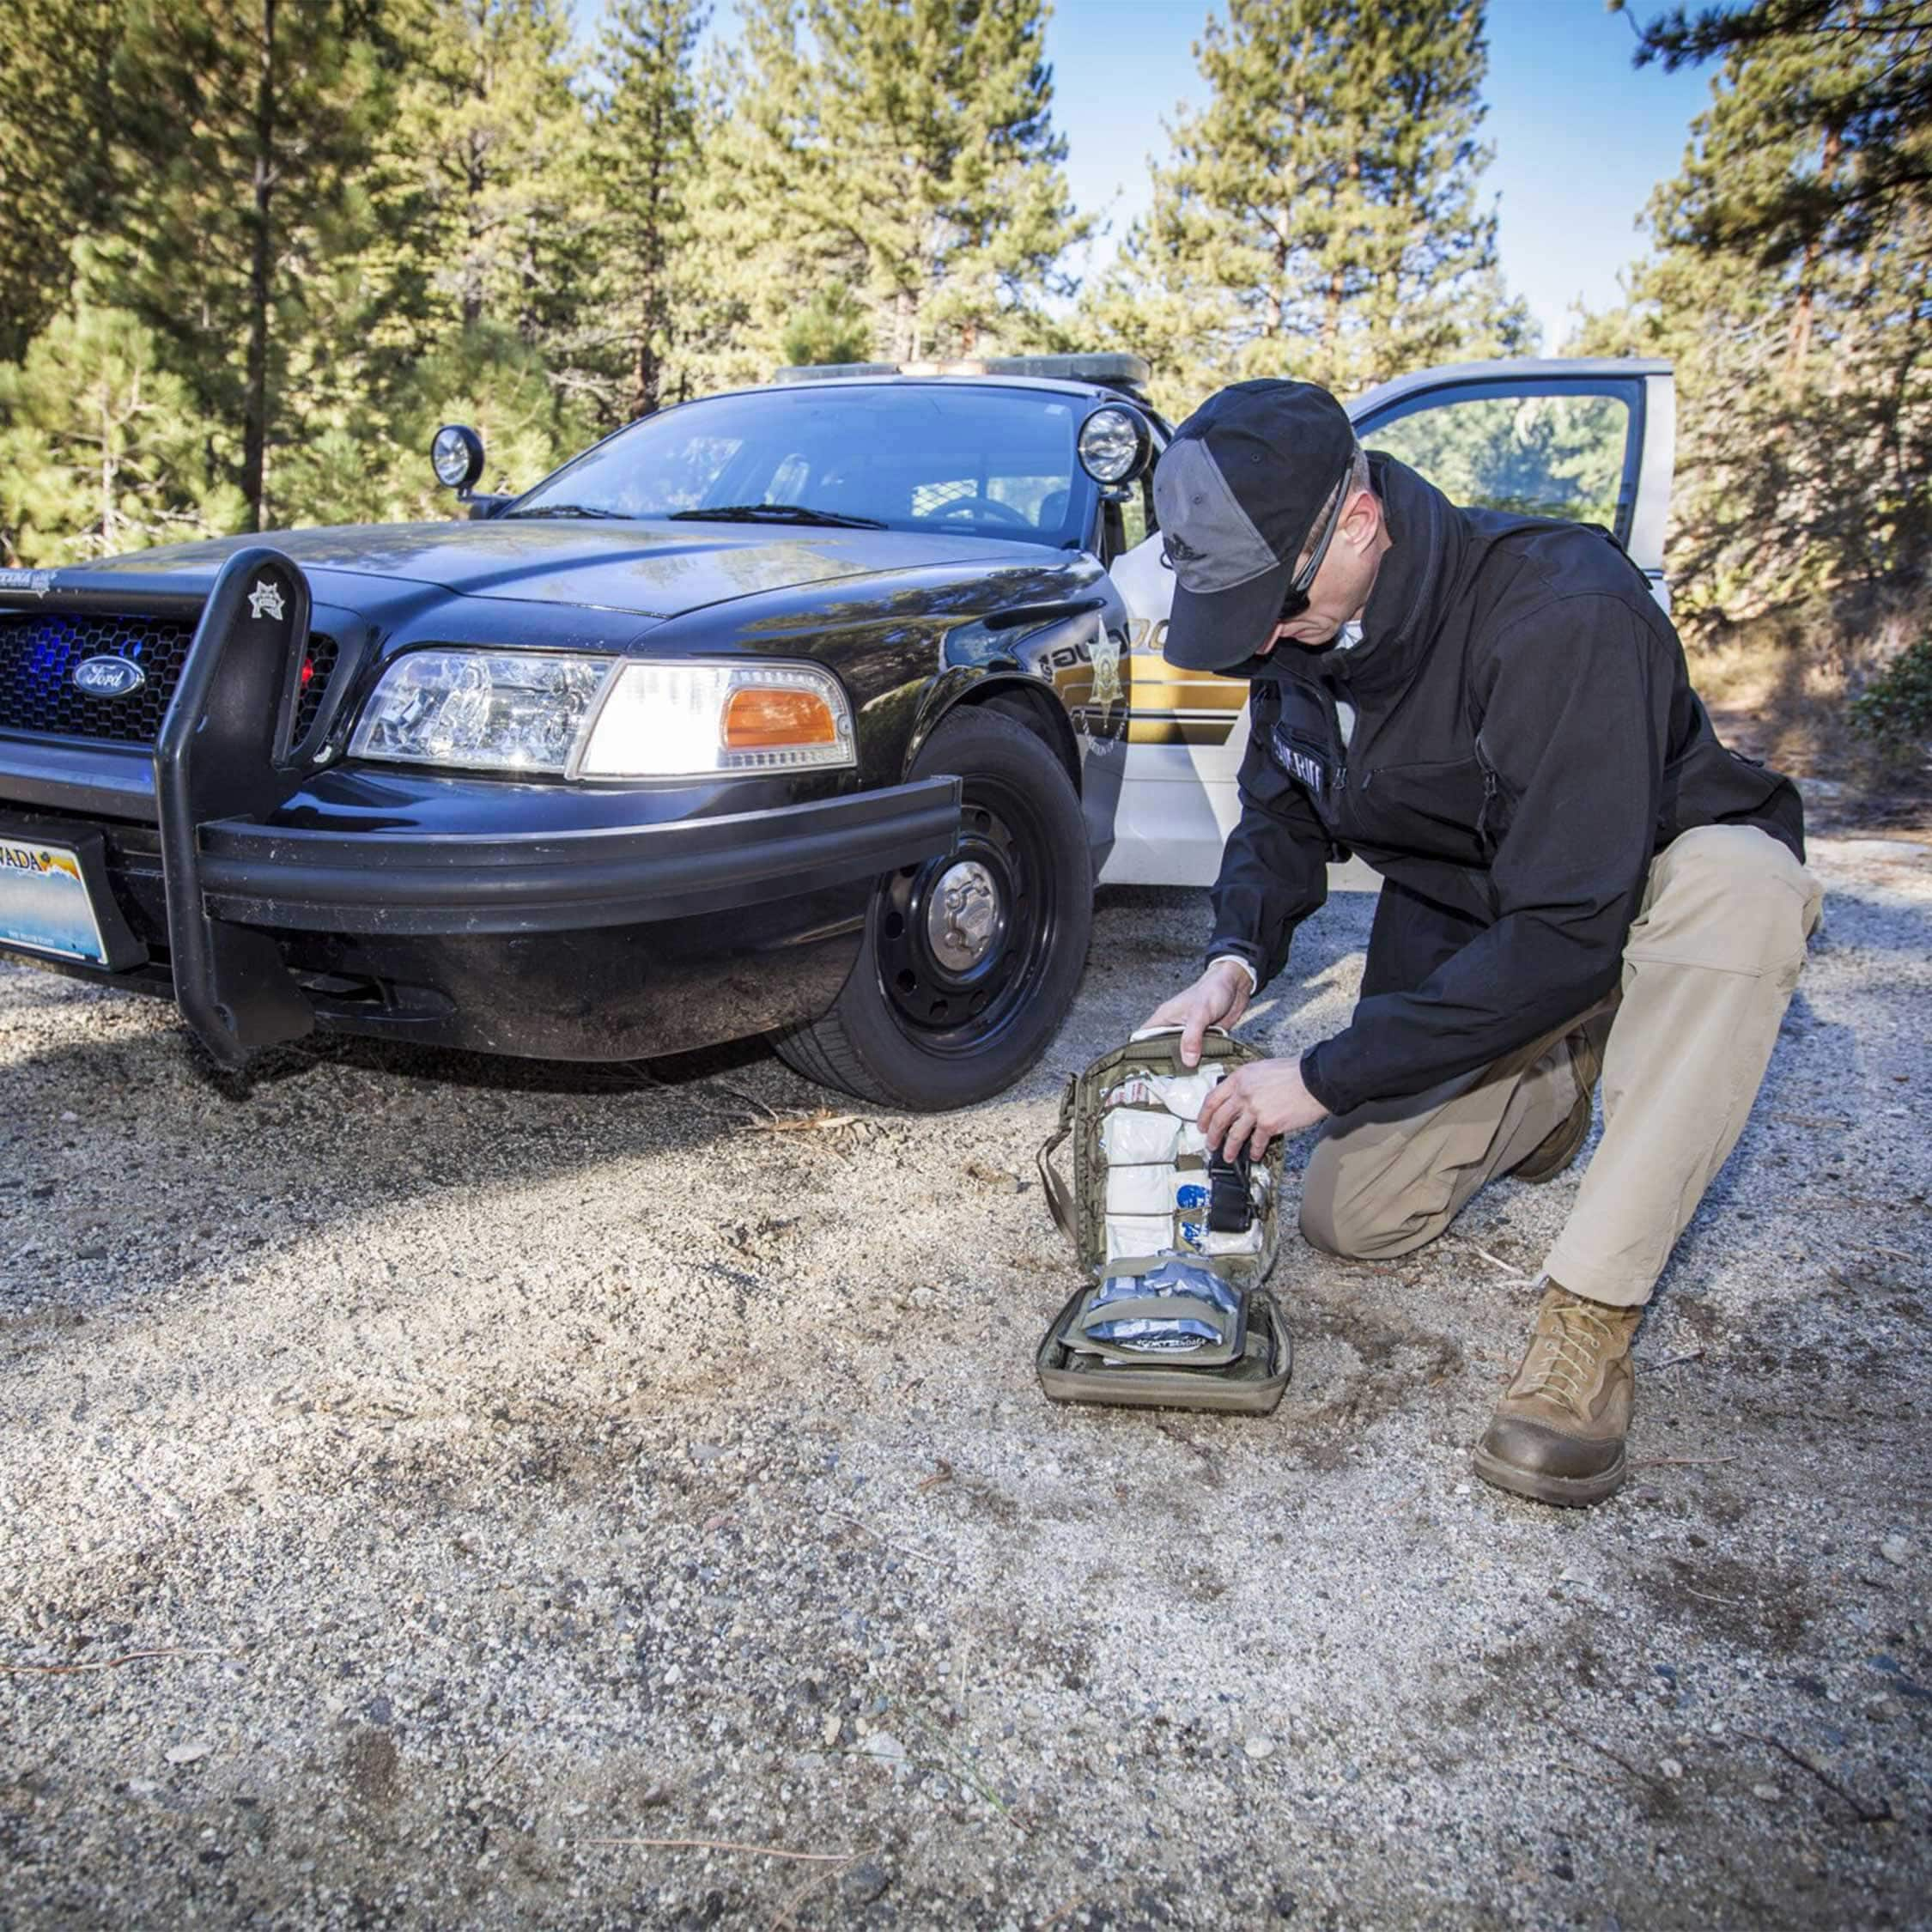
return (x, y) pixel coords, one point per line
(1255, 1103)
(1217, 998)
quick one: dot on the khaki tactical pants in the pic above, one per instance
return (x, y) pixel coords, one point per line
(1709, 969)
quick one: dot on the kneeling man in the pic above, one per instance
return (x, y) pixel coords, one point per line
(1580, 882)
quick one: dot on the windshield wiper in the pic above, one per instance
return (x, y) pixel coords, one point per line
(775, 512)
(569, 510)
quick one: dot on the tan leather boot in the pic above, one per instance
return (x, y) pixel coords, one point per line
(1557, 1148)
(1558, 1434)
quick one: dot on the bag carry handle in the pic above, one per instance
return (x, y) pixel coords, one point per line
(1060, 1198)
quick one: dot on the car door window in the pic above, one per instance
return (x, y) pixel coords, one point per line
(1568, 452)
(1137, 513)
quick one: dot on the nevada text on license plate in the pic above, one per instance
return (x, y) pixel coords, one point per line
(44, 901)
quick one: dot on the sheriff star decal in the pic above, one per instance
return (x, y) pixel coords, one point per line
(265, 600)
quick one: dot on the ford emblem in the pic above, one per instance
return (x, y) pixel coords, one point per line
(108, 676)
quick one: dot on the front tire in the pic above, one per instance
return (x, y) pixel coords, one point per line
(971, 961)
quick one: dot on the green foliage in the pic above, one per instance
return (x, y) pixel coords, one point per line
(1879, 110)
(101, 449)
(374, 468)
(1895, 709)
(490, 127)
(58, 103)
(833, 327)
(1789, 287)
(247, 132)
(909, 146)
(1320, 216)
(646, 146)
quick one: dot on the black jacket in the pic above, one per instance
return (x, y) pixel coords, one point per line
(1526, 739)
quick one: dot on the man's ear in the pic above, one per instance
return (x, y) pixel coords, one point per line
(1362, 520)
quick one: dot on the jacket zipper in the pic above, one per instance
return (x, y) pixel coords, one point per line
(1490, 789)
(1341, 745)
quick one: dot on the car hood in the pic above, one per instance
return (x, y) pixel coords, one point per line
(656, 570)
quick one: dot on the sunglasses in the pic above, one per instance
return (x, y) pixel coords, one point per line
(1295, 599)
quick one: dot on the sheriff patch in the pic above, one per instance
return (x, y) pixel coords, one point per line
(1305, 766)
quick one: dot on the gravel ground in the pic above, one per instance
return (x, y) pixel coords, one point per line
(426, 1481)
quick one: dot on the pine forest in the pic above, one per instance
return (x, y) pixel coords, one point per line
(257, 250)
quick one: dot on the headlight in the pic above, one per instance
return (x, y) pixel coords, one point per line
(676, 720)
(489, 710)
(599, 717)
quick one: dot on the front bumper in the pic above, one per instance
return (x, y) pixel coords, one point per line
(532, 919)
(322, 880)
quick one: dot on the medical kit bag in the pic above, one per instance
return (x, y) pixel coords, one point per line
(1175, 1245)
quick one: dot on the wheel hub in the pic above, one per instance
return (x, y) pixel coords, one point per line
(962, 915)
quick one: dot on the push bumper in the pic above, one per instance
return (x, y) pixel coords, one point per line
(411, 885)
(607, 940)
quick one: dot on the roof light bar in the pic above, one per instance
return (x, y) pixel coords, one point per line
(1095, 368)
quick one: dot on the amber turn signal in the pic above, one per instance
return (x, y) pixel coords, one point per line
(765, 717)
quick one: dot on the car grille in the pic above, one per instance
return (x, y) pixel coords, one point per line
(39, 650)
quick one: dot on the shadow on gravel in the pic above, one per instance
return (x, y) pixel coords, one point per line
(153, 1187)
(490, 1073)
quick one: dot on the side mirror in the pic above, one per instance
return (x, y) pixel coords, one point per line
(457, 457)
(1116, 446)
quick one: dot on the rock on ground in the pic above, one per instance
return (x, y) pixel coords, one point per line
(425, 1480)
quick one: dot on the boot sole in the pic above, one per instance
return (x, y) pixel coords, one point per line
(1568, 1492)
(1540, 1168)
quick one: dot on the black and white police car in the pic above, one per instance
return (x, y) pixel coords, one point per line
(816, 711)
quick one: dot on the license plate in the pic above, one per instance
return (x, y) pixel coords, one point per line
(44, 901)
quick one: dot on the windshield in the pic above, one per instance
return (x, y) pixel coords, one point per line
(980, 461)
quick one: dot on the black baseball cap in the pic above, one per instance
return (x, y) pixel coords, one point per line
(1237, 492)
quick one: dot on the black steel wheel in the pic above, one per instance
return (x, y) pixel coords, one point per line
(972, 959)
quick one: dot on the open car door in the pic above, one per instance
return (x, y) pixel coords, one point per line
(1593, 440)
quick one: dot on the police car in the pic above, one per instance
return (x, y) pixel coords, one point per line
(815, 711)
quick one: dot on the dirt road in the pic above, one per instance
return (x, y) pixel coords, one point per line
(424, 1481)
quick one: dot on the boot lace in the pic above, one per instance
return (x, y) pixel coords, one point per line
(1567, 1360)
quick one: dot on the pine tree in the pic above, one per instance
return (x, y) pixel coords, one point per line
(490, 124)
(832, 327)
(647, 153)
(248, 125)
(58, 107)
(1790, 287)
(911, 144)
(1321, 217)
(101, 447)
(752, 253)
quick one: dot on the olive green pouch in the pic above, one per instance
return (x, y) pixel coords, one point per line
(1245, 1368)
(1249, 1386)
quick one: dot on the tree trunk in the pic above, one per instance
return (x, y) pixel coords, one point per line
(646, 388)
(254, 423)
(1331, 313)
(108, 468)
(1802, 313)
(476, 178)
(1337, 290)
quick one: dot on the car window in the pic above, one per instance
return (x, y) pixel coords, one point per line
(696, 468)
(956, 458)
(1550, 455)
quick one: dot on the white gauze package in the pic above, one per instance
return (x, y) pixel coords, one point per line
(1134, 1237)
(1132, 1140)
